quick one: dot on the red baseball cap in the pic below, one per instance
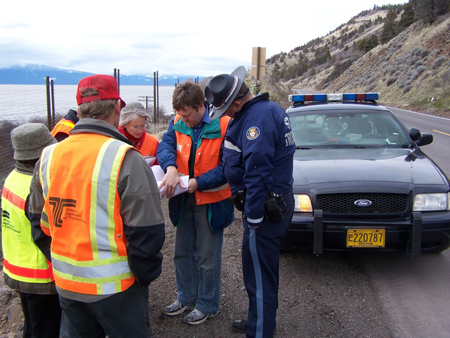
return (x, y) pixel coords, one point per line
(106, 86)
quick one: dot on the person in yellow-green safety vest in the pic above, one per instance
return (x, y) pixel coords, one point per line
(25, 267)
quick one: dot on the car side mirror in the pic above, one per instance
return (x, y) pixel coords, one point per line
(424, 140)
(419, 138)
(414, 133)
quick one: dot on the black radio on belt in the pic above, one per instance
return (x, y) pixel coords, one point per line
(273, 204)
(238, 200)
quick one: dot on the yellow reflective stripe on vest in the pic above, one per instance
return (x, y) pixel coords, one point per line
(107, 276)
(23, 261)
(103, 195)
(44, 167)
(107, 269)
(67, 123)
(46, 158)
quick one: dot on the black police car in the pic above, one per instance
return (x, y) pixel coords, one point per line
(361, 181)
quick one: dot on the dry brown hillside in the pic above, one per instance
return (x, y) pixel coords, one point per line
(411, 70)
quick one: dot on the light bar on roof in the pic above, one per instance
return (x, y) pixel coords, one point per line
(307, 97)
(335, 97)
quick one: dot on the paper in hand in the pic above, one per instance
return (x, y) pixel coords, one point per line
(150, 160)
(159, 175)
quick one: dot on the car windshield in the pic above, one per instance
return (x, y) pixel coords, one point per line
(347, 128)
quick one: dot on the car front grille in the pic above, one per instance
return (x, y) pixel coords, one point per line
(381, 204)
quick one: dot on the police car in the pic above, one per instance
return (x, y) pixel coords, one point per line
(361, 181)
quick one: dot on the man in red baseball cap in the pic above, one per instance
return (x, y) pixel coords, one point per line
(95, 199)
(105, 85)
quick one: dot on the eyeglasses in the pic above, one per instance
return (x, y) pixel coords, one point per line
(142, 126)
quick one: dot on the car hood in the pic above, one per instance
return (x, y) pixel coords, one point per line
(350, 168)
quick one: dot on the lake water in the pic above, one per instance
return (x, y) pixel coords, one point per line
(20, 103)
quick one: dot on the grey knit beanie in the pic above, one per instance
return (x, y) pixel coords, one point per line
(29, 139)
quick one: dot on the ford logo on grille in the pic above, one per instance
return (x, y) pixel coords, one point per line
(363, 203)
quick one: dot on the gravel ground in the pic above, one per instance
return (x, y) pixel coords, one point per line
(320, 296)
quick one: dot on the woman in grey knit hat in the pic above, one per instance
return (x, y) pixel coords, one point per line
(25, 267)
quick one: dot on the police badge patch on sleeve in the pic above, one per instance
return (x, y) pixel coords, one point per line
(253, 133)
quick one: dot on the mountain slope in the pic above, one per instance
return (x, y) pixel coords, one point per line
(36, 74)
(410, 70)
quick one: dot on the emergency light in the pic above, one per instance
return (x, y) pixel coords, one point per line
(301, 98)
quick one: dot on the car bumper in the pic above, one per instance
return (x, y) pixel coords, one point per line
(423, 232)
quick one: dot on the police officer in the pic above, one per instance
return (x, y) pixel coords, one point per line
(258, 164)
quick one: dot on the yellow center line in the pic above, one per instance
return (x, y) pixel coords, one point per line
(441, 132)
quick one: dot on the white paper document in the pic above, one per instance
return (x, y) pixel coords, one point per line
(150, 160)
(159, 175)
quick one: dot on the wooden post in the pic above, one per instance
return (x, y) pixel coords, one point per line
(258, 62)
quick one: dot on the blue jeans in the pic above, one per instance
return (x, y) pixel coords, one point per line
(198, 259)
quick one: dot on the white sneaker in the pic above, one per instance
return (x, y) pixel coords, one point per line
(196, 317)
(175, 309)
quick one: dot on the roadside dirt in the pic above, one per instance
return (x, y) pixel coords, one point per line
(320, 296)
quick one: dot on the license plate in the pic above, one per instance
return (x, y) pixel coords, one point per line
(365, 238)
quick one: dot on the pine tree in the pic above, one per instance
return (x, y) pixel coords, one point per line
(442, 6)
(407, 17)
(389, 28)
(425, 10)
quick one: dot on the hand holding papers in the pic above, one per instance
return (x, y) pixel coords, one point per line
(159, 176)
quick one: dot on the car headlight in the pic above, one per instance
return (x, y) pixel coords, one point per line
(302, 203)
(431, 202)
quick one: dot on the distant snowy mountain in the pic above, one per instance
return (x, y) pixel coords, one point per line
(36, 74)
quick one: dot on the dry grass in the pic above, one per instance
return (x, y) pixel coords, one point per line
(408, 71)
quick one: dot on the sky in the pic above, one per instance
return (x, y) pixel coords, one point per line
(197, 37)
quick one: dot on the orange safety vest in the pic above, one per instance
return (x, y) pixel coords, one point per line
(207, 156)
(149, 146)
(63, 126)
(22, 259)
(82, 214)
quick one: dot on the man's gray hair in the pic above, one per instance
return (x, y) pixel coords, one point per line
(132, 111)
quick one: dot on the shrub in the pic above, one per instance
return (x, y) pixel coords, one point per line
(426, 75)
(391, 80)
(438, 62)
(370, 87)
(436, 83)
(418, 64)
(420, 51)
(418, 71)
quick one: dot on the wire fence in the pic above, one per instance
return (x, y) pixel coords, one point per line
(28, 103)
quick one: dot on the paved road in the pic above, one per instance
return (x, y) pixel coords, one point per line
(439, 127)
(415, 291)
